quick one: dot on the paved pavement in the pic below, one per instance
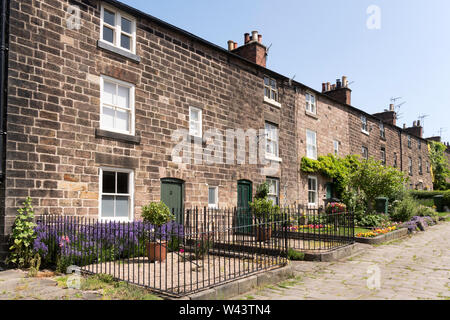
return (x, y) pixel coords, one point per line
(417, 267)
(15, 285)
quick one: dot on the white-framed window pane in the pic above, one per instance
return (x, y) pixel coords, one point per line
(109, 182)
(107, 207)
(125, 41)
(126, 25)
(312, 190)
(123, 97)
(311, 148)
(109, 17)
(194, 115)
(274, 187)
(213, 197)
(122, 207)
(108, 117)
(122, 120)
(122, 183)
(108, 34)
(109, 92)
(115, 194)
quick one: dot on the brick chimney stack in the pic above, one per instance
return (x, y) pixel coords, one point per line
(388, 116)
(252, 49)
(339, 91)
(416, 129)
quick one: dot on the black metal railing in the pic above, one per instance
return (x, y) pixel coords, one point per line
(313, 229)
(210, 247)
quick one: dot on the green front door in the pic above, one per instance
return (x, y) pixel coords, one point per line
(172, 196)
(244, 217)
(329, 190)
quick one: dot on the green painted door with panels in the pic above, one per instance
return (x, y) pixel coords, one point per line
(244, 217)
(172, 195)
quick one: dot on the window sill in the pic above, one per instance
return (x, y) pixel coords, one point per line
(99, 133)
(365, 132)
(383, 139)
(272, 102)
(273, 158)
(312, 115)
(109, 47)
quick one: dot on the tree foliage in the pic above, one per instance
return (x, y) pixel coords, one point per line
(358, 182)
(439, 164)
(375, 180)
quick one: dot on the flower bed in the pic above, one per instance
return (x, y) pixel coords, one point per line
(376, 232)
(62, 242)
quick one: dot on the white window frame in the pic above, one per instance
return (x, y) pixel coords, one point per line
(277, 189)
(272, 91)
(409, 141)
(382, 131)
(199, 122)
(383, 156)
(314, 155)
(216, 195)
(410, 166)
(336, 147)
(130, 194)
(131, 93)
(316, 191)
(272, 137)
(395, 160)
(420, 165)
(117, 28)
(364, 125)
(311, 107)
(367, 152)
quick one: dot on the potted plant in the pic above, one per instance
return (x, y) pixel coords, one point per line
(264, 212)
(157, 214)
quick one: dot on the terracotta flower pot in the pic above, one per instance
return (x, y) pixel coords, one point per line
(263, 233)
(156, 251)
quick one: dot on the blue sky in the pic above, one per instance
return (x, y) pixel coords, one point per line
(319, 41)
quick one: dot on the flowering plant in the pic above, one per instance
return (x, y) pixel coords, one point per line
(61, 240)
(376, 232)
(336, 207)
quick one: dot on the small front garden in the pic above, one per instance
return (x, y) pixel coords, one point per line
(362, 184)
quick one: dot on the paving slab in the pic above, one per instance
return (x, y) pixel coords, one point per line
(414, 268)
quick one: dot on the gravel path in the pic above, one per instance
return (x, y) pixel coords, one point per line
(415, 268)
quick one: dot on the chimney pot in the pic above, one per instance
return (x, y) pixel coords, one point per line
(230, 45)
(254, 35)
(246, 38)
(391, 107)
(328, 86)
(338, 83)
(344, 82)
(418, 123)
(235, 45)
(415, 124)
(404, 126)
(324, 87)
(260, 38)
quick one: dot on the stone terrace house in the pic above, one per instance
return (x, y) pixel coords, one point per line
(96, 91)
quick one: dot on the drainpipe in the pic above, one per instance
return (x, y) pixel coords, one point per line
(4, 46)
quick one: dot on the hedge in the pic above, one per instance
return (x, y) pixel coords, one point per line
(422, 195)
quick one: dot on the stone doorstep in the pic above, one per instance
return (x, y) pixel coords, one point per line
(242, 286)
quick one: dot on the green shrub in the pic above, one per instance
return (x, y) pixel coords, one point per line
(157, 214)
(404, 210)
(295, 255)
(423, 211)
(262, 191)
(371, 220)
(426, 202)
(23, 236)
